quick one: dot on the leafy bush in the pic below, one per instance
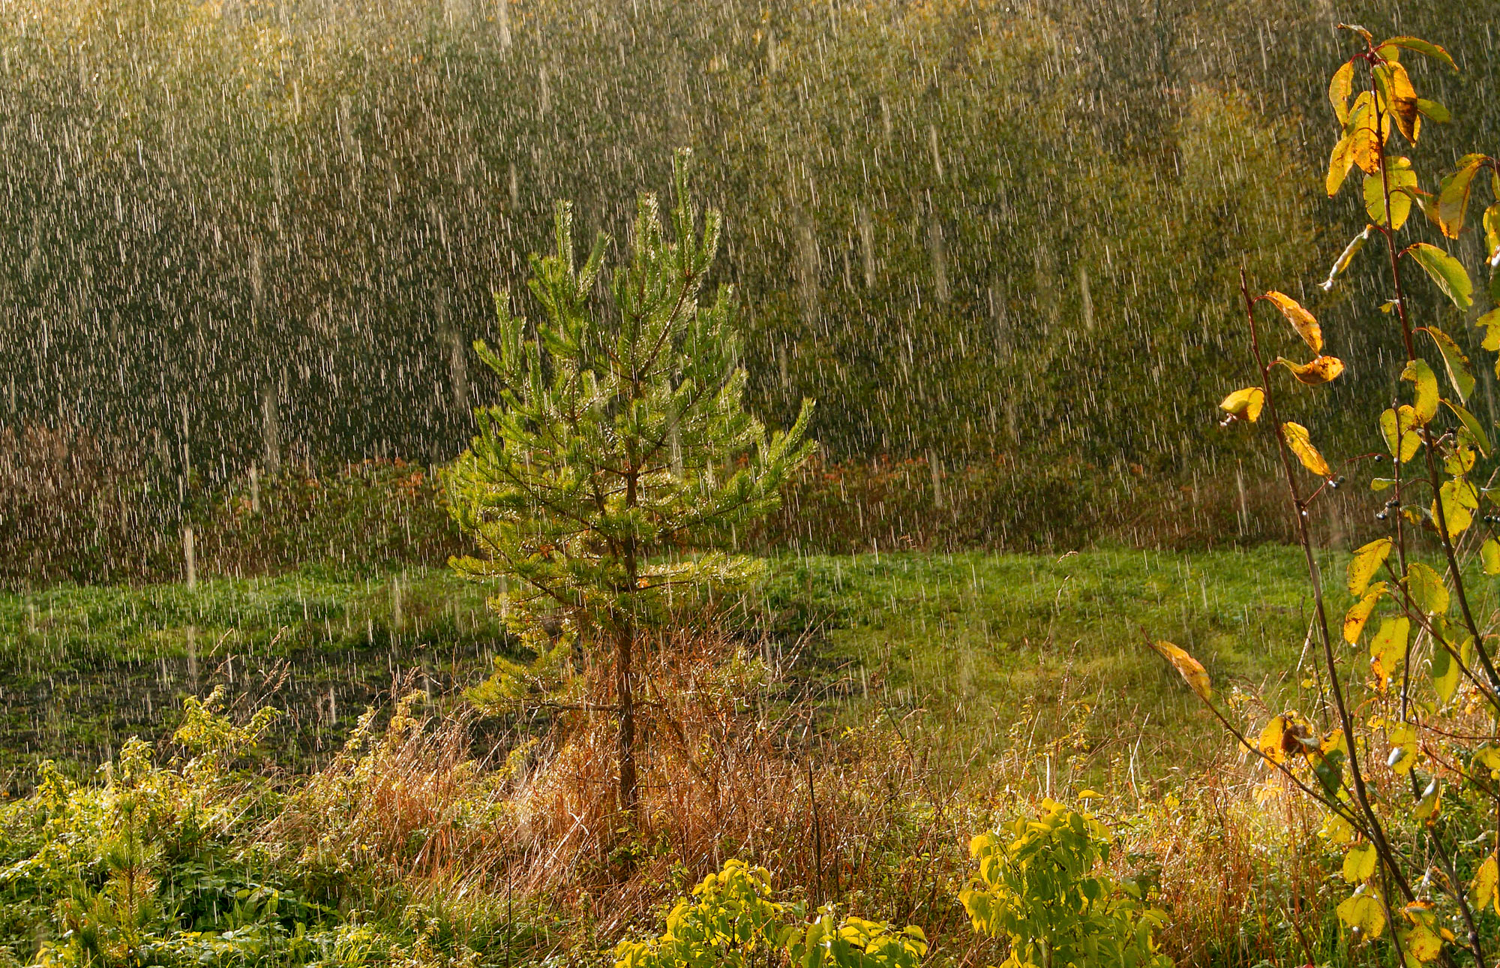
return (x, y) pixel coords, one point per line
(1400, 750)
(731, 920)
(1039, 886)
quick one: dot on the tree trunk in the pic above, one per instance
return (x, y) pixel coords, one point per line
(630, 794)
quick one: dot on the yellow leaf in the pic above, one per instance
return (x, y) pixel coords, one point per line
(1396, 427)
(1359, 863)
(1366, 561)
(1402, 182)
(1366, 149)
(1388, 648)
(1271, 739)
(1459, 500)
(1245, 403)
(1338, 91)
(1404, 101)
(1302, 321)
(1422, 944)
(1364, 914)
(1189, 668)
(1359, 614)
(1339, 163)
(1425, 405)
(1297, 439)
(1316, 371)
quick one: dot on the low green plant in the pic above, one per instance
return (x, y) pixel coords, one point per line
(1041, 886)
(732, 920)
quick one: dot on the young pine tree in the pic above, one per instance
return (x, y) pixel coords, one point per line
(620, 452)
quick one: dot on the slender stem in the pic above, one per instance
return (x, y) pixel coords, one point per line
(1299, 507)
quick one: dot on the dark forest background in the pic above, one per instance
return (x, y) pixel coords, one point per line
(981, 234)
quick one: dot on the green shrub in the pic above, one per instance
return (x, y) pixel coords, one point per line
(731, 920)
(1039, 886)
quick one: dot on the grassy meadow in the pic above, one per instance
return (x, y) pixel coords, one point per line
(972, 647)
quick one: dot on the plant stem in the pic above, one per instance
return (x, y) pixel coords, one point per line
(1299, 508)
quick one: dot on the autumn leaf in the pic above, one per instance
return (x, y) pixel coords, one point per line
(1471, 424)
(1359, 863)
(1339, 163)
(1396, 427)
(1453, 194)
(1425, 400)
(1401, 181)
(1421, 943)
(1245, 403)
(1459, 500)
(1388, 647)
(1427, 589)
(1363, 913)
(1482, 888)
(1346, 257)
(1189, 668)
(1359, 614)
(1339, 88)
(1444, 673)
(1489, 555)
(1300, 442)
(1302, 321)
(1403, 99)
(1271, 743)
(1457, 364)
(1366, 561)
(1314, 372)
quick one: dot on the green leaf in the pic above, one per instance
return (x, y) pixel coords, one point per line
(1433, 111)
(1366, 561)
(1425, 400)
(1402, 180)
(1418, 45)
(1457, 364)
(1444, 672)
(1446, 271)
(1489, 554)
(1427, 589)
(1471, 424)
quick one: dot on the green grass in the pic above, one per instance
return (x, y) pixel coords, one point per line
(84, 668)
(1047, 654)
(977, 655)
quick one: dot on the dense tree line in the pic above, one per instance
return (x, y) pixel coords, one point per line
(238, 230)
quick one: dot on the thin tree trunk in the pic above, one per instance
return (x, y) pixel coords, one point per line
(630, 794)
